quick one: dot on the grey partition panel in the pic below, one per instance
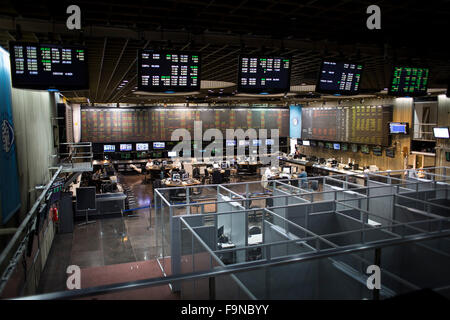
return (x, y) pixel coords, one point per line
(418, 264)
(235, 225)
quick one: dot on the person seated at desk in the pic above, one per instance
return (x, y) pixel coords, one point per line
(149, 164)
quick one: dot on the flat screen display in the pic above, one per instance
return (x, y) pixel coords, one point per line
(377, 151)
(320, 144)
(398, 128)
(159, 145)
(313, 144)
(354, 148)
(328, 145)
(409, 81)
(126, 147)
(336, 146)
(168, 71)
(339, 77)
(306, 143)
(264, 74)
(270, 142)
(365, 149)
(48, 66)
(244, 143)
(141, 146)
(441, 133)
(344, 147)
(109, 148)
(390, 152)
(256, 143)
(230, 143)
(172, 153)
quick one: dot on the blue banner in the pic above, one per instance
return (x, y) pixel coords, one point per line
(9, 177)
(295, 123)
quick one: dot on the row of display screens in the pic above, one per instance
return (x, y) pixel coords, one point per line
(42, 66)
(162, 145)
(377, 150)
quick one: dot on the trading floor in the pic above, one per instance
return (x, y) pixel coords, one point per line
(228, 150)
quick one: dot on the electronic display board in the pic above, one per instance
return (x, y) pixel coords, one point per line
(409, 81)
(264, 74)
(390, 152)
(256, 142)
(231, 143)
(398, 128)
(109, 148)
(168, 71)
(159, 145)
(141, 146)
(351, 124)
(339, 77)
(377, 151)
(48, 66)
(126, 147)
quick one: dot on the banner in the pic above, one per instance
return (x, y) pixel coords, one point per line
(9, 177)
(295, 123)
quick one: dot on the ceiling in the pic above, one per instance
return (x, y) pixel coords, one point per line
(113, 31)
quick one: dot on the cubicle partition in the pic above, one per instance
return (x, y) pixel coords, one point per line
(312, 244)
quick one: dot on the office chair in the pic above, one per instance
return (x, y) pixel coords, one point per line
(207, 176)
(196, 173)
(216, 177)
(226, 176)
(254, 230)
(178, 195)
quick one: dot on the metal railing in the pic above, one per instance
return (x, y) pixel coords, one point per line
(12, 252)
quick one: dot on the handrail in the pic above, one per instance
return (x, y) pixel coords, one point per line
(12, 243)
(229, 269)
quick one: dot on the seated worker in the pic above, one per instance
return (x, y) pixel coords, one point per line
(303, 177)
(149, 164)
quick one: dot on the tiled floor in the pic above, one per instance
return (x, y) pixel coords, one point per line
(110, 242)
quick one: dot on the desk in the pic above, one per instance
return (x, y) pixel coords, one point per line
(188, 183)
(227, 257)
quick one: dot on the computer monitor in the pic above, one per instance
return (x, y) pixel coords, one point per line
(306, 143)
(336, 146)
(441, 133)
(172, 154)
(286, 169)
(175, 176)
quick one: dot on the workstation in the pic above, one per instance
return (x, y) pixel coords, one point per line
(274, 160)
(330, 224)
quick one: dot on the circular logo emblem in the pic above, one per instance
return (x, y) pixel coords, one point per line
(7, 136)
